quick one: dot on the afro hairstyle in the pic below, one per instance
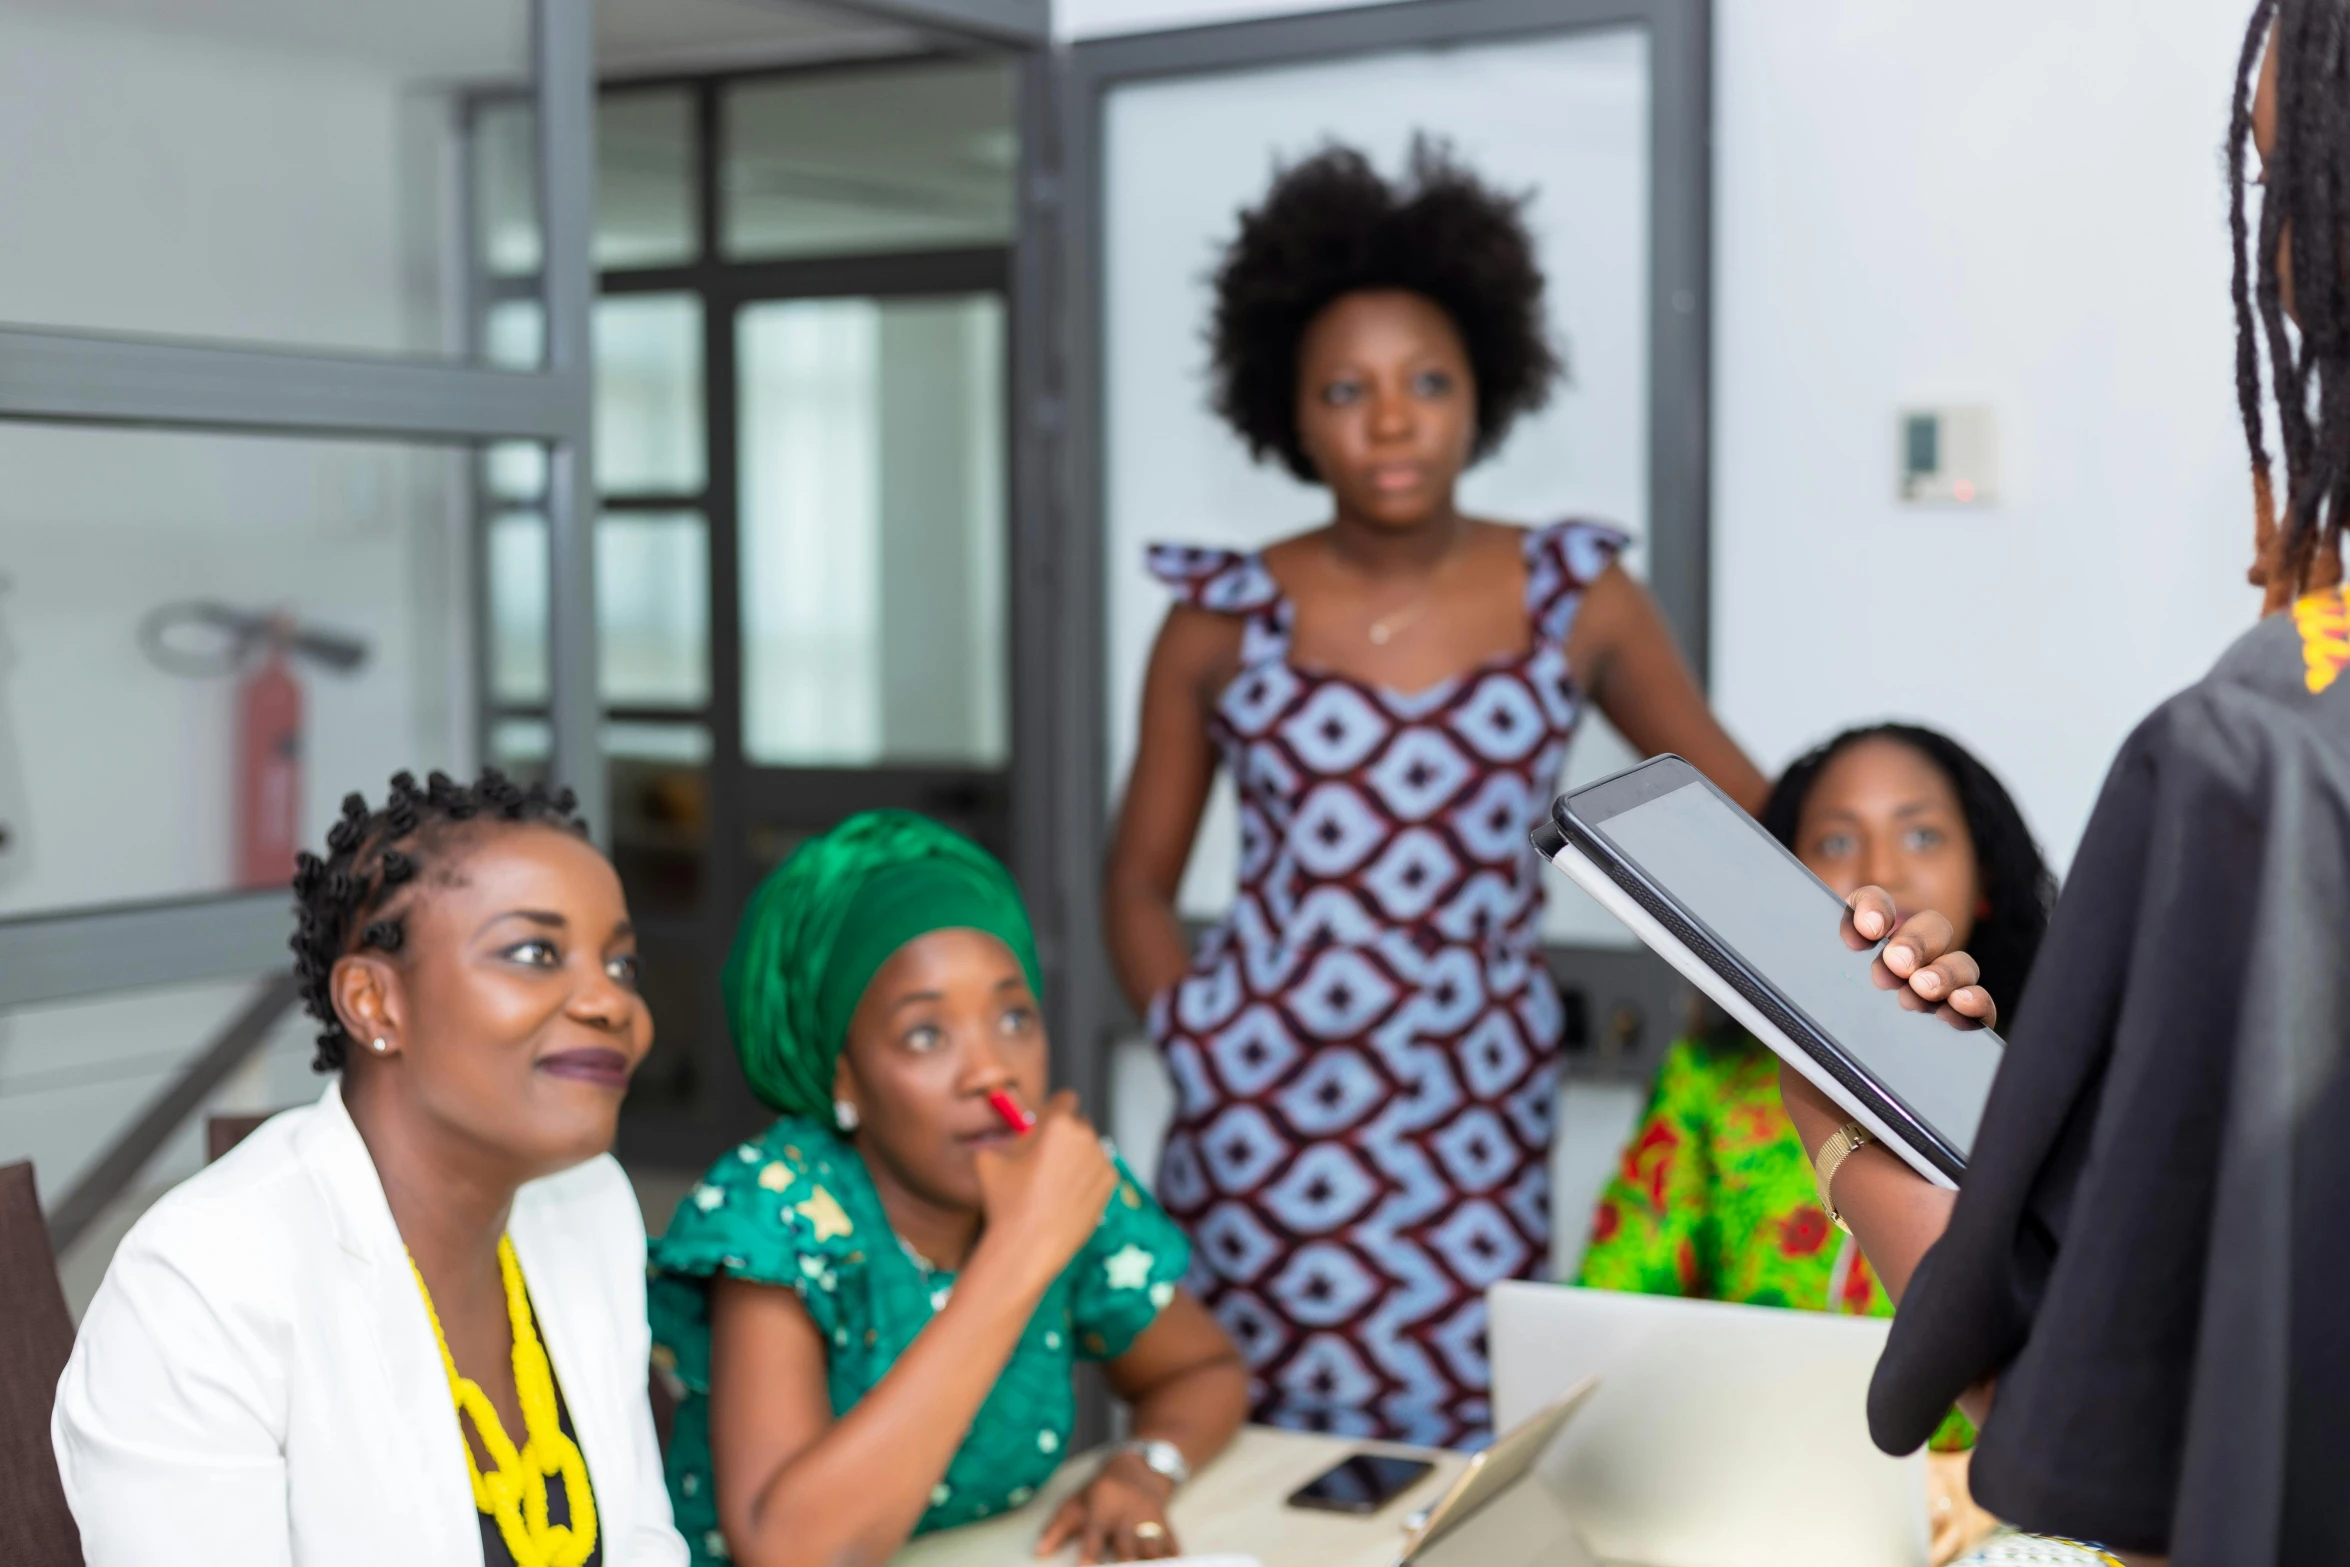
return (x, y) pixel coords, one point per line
(1332, 226)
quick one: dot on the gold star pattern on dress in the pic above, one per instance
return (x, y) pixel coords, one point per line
(776, 1176)
(824, 1215)
(1128, 1268)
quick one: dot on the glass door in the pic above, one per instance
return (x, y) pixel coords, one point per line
(872, 446)
(801, 459)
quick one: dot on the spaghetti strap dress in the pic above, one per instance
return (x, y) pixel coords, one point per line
(1365, 1048)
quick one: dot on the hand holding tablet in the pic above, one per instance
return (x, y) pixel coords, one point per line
(1919, 952)
(1886, 1024)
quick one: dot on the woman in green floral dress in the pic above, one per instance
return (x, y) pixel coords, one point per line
(1714, 1198)
(876, 1307)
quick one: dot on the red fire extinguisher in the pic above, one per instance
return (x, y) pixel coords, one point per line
(269, 769)
(261, 648)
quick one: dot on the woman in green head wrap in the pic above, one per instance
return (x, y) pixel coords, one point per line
(876, 1308)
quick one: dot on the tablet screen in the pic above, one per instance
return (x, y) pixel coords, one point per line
(1761, 903)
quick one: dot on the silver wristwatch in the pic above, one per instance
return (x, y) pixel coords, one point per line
(1163, 1459)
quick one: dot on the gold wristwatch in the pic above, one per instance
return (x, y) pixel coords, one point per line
(1842, 1143)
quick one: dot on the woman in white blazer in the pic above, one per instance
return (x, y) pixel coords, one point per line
(273, 1371)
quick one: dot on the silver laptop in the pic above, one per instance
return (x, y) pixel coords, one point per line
(1718, 1436)
(1496, 1513)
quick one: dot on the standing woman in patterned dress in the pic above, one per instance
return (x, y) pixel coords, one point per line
(1365, 1049)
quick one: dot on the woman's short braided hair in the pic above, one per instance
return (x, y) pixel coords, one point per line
(349, 901)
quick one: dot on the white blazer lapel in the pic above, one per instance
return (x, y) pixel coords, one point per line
(426, 1482)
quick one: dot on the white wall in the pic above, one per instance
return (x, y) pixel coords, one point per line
(2008, 202)
(164, 183)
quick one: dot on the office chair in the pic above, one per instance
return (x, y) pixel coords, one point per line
(36, 1335)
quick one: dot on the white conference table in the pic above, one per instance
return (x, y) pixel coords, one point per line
(1237, 1503)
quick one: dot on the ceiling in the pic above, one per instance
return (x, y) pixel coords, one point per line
(489, 40)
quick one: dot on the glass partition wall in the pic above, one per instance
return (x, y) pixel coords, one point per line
(801, 367)
(240, 401)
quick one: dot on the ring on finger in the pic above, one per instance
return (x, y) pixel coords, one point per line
(1150, 1529)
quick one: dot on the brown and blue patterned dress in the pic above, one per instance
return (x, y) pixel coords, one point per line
(1365, 1049)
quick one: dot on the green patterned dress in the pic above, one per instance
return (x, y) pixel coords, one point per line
(796, 1209)
(1715, 1200)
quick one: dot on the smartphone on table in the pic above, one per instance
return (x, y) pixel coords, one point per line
(1360, 1483)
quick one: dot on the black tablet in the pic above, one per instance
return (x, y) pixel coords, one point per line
(1702, 883)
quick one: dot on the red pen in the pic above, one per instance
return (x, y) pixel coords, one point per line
(1019, 1120)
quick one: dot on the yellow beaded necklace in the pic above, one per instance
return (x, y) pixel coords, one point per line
(515, 1492)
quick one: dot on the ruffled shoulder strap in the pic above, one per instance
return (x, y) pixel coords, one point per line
(1228, 582)
(1562, 561)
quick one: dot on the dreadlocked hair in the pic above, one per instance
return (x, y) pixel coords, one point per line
(2306, 192)
(351, 900)
(1333, 226)
(2015, 880)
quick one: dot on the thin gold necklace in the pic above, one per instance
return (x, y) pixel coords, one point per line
(1383, 630)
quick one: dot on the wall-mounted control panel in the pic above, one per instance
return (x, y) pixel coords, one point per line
(1949, 456)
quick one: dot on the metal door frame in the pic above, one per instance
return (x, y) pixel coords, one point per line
(721, 1108)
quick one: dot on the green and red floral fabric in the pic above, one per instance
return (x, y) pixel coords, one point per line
(1714, 1200)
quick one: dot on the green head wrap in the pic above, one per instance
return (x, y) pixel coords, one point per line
(824, 923)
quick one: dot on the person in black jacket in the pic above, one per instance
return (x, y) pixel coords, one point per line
(2139, 1290)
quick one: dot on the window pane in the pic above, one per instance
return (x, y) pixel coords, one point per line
(645, 208)
(917, 157)
(517, 566)
(514, 337)
(279, 174)
(649, 394)
(648, 351)
(506, 187)
(521, 746)
(137, 561)
(652, 609)
(873, 496)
